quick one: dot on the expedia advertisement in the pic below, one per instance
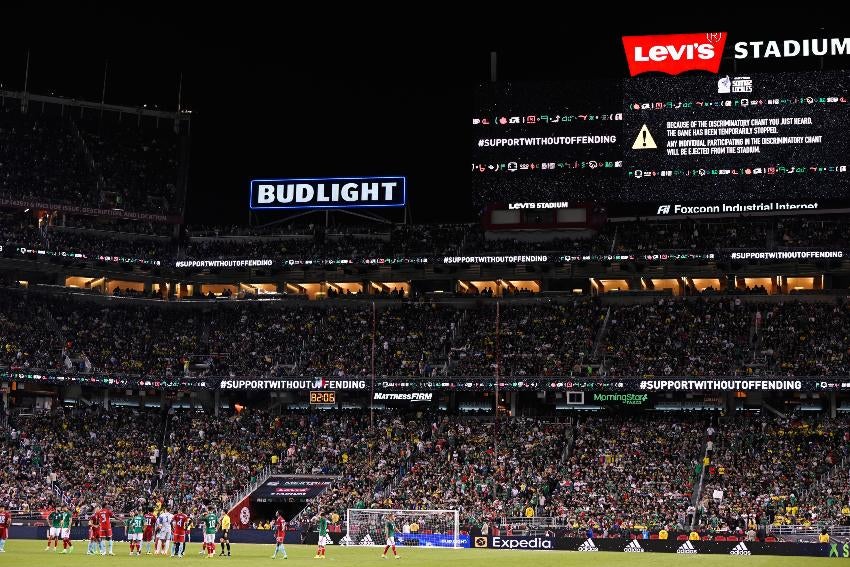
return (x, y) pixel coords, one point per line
(515, 542)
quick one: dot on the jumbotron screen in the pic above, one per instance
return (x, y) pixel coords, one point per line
(742, 140)
(546, 141)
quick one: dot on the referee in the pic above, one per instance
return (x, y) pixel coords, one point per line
(224, 522)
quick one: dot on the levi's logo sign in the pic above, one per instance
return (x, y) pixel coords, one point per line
(675, 53)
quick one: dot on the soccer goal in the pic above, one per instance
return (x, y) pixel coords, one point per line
(413, 528)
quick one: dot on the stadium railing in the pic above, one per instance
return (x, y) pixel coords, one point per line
(262, 477)
(534, 525)
(808, 533)
(464, 381)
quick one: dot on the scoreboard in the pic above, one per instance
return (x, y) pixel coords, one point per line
(765, 137)
(322, 397)
(760, 141)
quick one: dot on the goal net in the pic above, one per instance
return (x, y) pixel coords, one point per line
(413, 528)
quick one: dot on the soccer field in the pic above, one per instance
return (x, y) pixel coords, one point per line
(29, 553)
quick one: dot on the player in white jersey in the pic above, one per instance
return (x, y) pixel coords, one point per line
(163, 532)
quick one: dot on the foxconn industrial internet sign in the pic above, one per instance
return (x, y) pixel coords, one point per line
(328, 193)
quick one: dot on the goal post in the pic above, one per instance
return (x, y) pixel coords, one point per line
(414, 528)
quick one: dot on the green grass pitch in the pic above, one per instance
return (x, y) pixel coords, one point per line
(30, 553)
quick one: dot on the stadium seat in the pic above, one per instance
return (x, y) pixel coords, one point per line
(682, 537)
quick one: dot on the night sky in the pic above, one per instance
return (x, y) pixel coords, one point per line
(292, 106)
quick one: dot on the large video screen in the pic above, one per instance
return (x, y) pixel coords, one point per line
(739, 140)
(546, 141)
(765, 137)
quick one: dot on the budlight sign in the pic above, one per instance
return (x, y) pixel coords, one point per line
(328, 193)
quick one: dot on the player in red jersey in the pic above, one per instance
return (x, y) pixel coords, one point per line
(147, 536)
(5, 522)
(279, 527)
(94, 534)
(104, 520)
(179, 525)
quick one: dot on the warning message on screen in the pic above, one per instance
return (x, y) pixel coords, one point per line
(698, 138)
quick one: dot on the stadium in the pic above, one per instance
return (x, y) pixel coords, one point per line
(528, 310)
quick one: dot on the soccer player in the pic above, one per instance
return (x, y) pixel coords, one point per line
(54, 518)
(5, 522)
(147, 536)
(322, 523)
(65, 519)
(279, 527)
(163, 531)
(179, 525)
(224, 522)
(94, 534)
(135, 527)
(389, 532)
(209, 522)
(104, 520)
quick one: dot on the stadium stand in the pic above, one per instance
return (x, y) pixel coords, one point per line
(776, 470)
(152, 240)
(705, 336)
(98, 161)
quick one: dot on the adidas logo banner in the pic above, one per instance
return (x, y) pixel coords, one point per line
(588, 545)
(633, 547)
(346, 541)
(740, 549)
(687, 547)
(367, 540)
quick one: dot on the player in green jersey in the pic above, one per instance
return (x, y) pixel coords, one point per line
(135, 529)
(322, 524)
(65, 519)
(209, 522)
(54, 530)
(389, 533)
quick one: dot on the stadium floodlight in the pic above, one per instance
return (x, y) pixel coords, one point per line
(414, 528)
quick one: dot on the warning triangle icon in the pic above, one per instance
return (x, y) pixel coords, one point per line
(644, 140)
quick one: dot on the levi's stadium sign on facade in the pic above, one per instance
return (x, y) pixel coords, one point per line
(328, 193)
(674, 53)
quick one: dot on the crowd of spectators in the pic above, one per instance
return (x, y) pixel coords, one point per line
(483, 469)
(23, 230)
(690, 235)
(632, 472)
(129, 239)
(26, 337)
(101, 162)
(768, 470)
(127, 339)
(41, 159)
(804, 339)
(704, 336)
(541, 339)
(137, 163)
(90, 454)
(679, 338)
(615, 474)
